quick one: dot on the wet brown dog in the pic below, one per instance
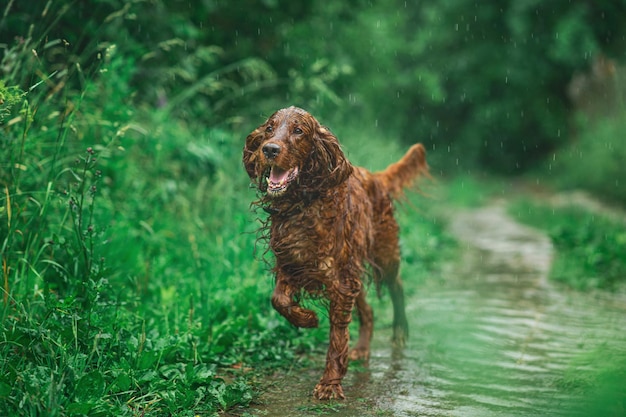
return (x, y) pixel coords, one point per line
(328, 220)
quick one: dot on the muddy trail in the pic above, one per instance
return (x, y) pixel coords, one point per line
(491, 338)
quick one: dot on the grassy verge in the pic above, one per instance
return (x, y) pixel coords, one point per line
(128, 276)
(128, 286)
(589, 246)
(589, 243)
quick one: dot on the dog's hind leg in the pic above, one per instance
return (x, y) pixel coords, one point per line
(400, 323)
(386, 272)
(361, 350)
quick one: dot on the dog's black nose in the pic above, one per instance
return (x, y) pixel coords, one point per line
(271, 150)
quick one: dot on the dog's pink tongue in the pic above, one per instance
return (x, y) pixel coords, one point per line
(277, 174)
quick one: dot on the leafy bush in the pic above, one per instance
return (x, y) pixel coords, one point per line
(595, 161)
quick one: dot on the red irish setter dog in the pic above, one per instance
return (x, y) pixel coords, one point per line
(329, 219)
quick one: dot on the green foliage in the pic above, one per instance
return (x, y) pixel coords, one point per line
(500, 70)
(472, 191)
(9, 98)
(589, 246)
(595, 161)
(484, 85)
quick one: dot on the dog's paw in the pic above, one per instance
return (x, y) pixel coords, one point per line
(400, 335)
(359, 354)
(309, 319)
(328, 392)
(298, 316)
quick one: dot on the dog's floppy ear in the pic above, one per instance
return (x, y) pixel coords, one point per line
(329, 163)
(253, 141)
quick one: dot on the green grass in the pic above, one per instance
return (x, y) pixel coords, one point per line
(128, 274)
(470, 191)
(589, 246)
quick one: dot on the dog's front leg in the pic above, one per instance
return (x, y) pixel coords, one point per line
(342, 300)
(283, 301)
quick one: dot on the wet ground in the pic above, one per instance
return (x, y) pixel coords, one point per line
(491, 338)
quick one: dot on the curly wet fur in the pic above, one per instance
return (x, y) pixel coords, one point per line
(328, 220)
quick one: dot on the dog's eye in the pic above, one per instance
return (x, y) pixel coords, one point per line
(269, 129)
(297, 131)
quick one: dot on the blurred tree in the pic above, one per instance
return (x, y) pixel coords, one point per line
(487, 81)
(483, 81)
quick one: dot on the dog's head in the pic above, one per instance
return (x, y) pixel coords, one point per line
(291, 151)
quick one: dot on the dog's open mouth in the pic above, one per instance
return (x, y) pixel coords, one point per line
(278, 179)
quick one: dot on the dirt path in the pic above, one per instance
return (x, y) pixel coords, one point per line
(491, 338)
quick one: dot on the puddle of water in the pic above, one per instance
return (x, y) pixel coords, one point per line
(493, 338)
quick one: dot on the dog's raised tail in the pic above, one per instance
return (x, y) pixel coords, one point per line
(402, 174)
